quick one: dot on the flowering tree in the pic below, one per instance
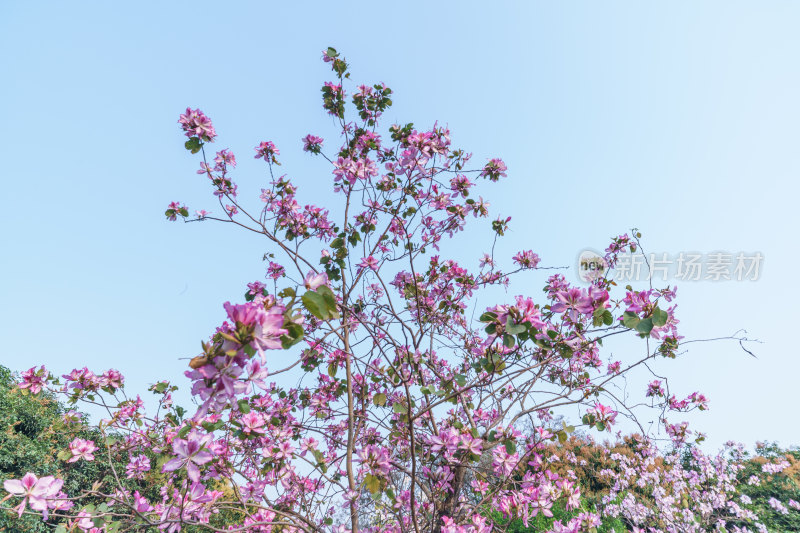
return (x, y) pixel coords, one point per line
(398, 410)
(636, 487)
(688, 492)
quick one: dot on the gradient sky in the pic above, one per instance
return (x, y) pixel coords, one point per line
(679, 118)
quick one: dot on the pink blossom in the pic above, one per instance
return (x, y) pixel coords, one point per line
(573, 301)
(255, 288)
(603, 413)
(34, 491)
(112, 379)
(82, 449)
(196, 124)
(83, 520)
(223, 159)
(312, 143)
(33, 379)
(526, 259)
(494, 169)
(190, 454)
(368, 262)
(275, 271)
(137, 466)
(313, 280)
(252, 422)
(140, 503)
(655, 388)
(268, 151)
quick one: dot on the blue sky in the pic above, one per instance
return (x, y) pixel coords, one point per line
(679, 118)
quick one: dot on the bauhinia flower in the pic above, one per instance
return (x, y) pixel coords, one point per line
(81, 449)
(196, 124)
(368, 262)
(33, 379)
(190, 455)
(34, 491)
(313, 281)
(312, 143)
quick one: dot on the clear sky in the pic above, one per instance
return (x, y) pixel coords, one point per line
(679, 118)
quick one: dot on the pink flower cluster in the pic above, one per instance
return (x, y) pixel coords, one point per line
(196, 124)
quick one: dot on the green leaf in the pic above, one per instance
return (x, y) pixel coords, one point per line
(379, 399)
(514, 329)
(372, 484)
(315, 304)
(488, 316)
(630, 319)
(332, 368)
(608, 318)
(295, 335)
(288, 292)
(461, 379)
(193, 145)
(244, 407)
(330, 301)
(399, 408)
(660, 317)
(511, 446)
(645, 326)
(508, 341)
